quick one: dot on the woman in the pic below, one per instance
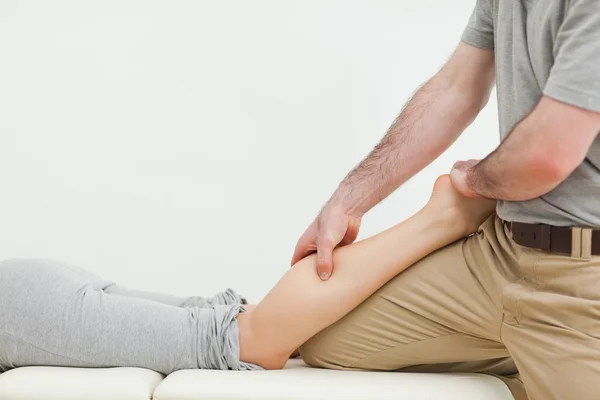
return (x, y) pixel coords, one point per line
(55, 314)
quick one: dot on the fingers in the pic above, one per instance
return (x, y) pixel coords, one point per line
(304, 247)
(464, 165)
(351, 232)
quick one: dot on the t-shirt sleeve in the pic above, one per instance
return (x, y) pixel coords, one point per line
(480, 28)
(575, 75)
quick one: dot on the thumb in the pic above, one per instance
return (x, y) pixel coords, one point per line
(325, 259)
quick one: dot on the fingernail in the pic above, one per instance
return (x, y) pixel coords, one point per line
(324, 276)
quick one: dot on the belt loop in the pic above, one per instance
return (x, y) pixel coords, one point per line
(586, 243)
(576, 242)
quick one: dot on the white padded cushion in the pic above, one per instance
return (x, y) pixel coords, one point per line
(57, 383)
(299, 382)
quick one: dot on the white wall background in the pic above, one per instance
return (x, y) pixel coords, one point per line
(184, 146)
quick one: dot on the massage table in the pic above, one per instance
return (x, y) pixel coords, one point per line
(296, 382)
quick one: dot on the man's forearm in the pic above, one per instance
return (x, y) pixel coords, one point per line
(540, 152)
(429, 123)
(512, 171)
(508, 175)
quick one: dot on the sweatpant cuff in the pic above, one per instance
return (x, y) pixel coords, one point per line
(219, 339)
(228, 297)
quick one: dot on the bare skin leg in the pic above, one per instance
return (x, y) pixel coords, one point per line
(301, 305)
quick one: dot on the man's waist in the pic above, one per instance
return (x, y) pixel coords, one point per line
(553, 209)
(576, 241)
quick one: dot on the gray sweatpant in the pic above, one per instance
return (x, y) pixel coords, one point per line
(56, 314)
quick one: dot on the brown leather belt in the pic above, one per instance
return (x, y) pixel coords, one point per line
(550, 238)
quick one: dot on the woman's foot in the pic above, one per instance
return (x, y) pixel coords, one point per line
(468, 212)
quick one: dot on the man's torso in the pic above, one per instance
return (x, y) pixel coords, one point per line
(525, 37)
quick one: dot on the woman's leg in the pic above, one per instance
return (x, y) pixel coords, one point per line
(301, 305)
(56, 314)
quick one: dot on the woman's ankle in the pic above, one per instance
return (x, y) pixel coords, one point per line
(460, 214)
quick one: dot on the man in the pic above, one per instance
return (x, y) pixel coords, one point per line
(521, 298)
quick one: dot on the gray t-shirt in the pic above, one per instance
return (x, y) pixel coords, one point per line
(552, 48)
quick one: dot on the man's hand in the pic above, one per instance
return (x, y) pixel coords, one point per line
(458, 175)
(330, 229)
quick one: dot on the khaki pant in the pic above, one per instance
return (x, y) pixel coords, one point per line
(482, 304)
